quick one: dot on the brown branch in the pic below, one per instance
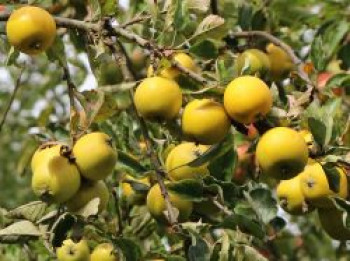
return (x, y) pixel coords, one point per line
(189, 73)
(72, 107)
(214, 7)
(160, 174)
(12, 98)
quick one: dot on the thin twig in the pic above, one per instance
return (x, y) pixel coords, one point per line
(119, 215)
(12, 98)
(214, 7)
(72, 108)
(160, 174)
(189, 73)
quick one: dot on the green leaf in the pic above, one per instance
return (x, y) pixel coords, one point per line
(205, 49)
(318, 130)
(264, 205)
(189, 188)
(130, 249)
(318, 54)
(225, 72)
(245, 224)
(12, 56)
(96, 9)
(60, 228)
(32, 211)
(222, 167)
(109, 8)
(181, 15)
(56, 52)
(340, 80)
(245, 16)
(200, 6)
(199, 250)
(251, 254)
(90, 209)
(130, 161)
(214, 151)
(333, 176)
(20, 231)
(212, 26)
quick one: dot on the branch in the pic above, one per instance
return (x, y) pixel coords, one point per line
(191, 74)
(12, 98)
(160, 174)
(72, 108)
(214, 7)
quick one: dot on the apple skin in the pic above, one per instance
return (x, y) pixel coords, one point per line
(104, 252)
(71, 251)
(95, 155)
(87, 192)
(322, 80)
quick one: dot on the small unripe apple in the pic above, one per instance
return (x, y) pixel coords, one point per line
(72, 251)
(95, 156)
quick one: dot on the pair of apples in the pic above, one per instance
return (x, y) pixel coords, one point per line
(57, 171)
(79, 251)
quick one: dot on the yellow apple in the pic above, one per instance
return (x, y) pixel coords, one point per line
(95, 155)
(31, 30)
(87, 192)
(181, 155)
(73, 251)
(205, 121)
(55, 179)
(104, 252)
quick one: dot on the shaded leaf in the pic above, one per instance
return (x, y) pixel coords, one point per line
(130, 161)
(333, 176)
(199, 250)
(212, 26)
(318, 130)
(189, 188)
(31, 211)
(60, 228)
(263, 204)
(130, 249)
(20, 231)
(90, 209)
(206, 49)
(245, 224)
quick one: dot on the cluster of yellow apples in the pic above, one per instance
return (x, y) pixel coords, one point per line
(74, 176)
(204, 122)
(275, 62)
(79, 251)
(282, 153)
